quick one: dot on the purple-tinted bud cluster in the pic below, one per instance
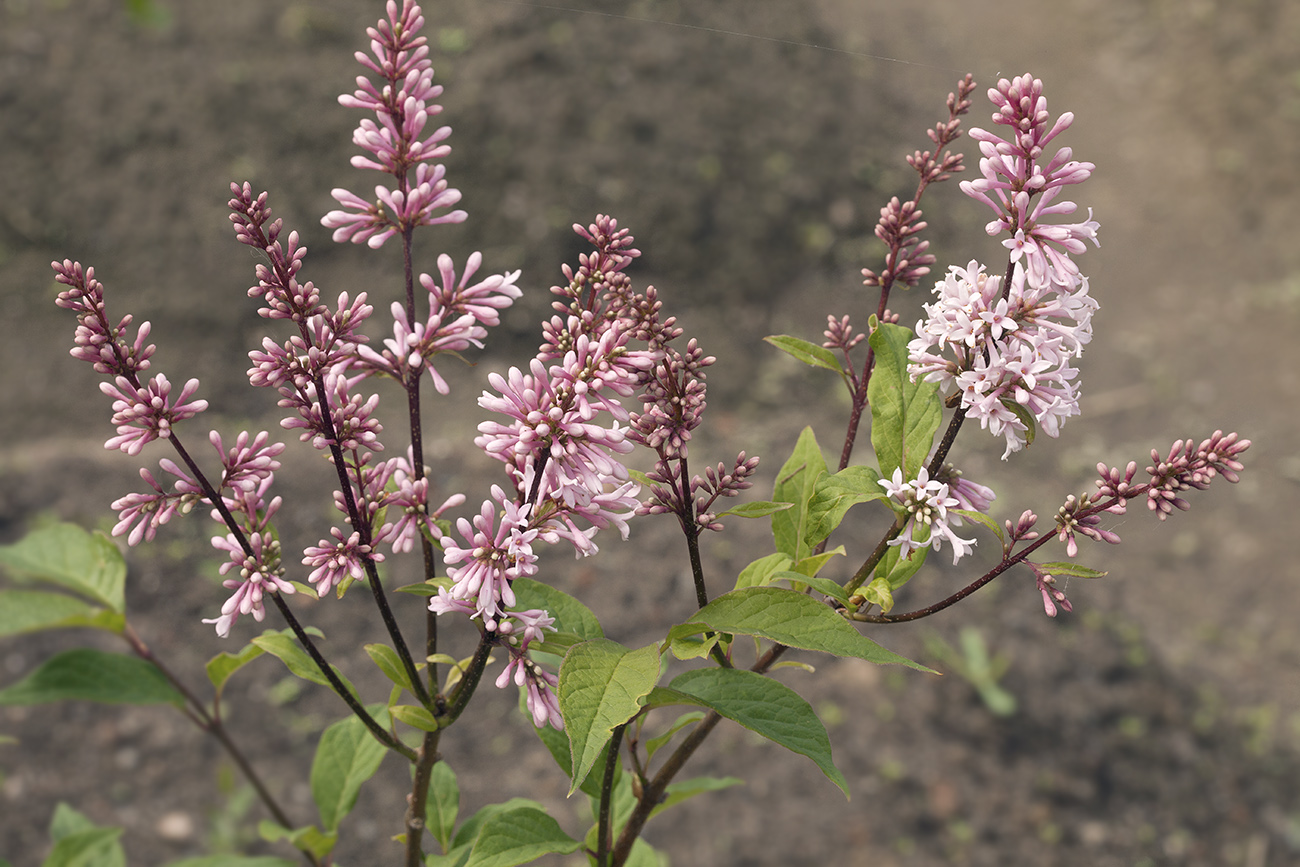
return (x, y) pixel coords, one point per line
(403, 107)
(1185, 466)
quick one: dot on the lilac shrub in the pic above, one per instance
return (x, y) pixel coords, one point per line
(999, 344)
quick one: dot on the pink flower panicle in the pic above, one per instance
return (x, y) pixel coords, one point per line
(1008, 344)
(338, 563)
(147, 412)
(395, 142)
(924, 503)
(1010, 352)
(459, 314)
(1022, 189)
(259, 572)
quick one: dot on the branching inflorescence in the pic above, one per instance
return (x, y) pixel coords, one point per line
(997, 347)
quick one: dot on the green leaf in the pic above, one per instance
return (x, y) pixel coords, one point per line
(788, 618)
(760, 572)
(809, 353)
(602, 685)
(1064, 568)
(65, 554)
(687, 646)
(286, 649)
(67, 821)
(95, 848)
(346, 757)
(442, 804)
(757, 509)
(766, 707)
(810, 566)
(835, 495)
(557, 744)
(824, 586)
(93, 675)
(904, 414)
(23, 611)
(687, 789)
(519, 836)
(309, 838)
(223, 665)
(653, 744)
(233, 861)
(895, 570)
(467, 833)
(1026, 418)
(570, 614)
(391, 665)
(795, 483)
(79, 842)
(416, 717)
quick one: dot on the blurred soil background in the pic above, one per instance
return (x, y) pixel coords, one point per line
(749, 147)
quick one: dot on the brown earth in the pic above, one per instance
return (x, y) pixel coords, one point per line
(748, 146)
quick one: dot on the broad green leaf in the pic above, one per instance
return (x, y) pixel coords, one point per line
(570, 614)
(67, 821)
(756, 509)
(835, 495)
(810, 566)
(788, 618)
(810, 354)
(645, 855)
(309, 838)
(653, 744)
(795, 483)
(662, 696)
(93, 675)
(442, 804)
(391, 665)
(1065, 568)
(760, 572)
(65, 554)
(79, 842)
(557, 744)
(687, 789)
(233, 861)
(602, 685)
(346, 757)
(414, 716)
(895, 570)
(517, 837)
(23, 611)
(904, 414)
(824, 586)
(97, 847)
(688, 646)
(766, 707)
(468, 832)
(457, 856)
(286, 649)
(878, 592)
(223, 665)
